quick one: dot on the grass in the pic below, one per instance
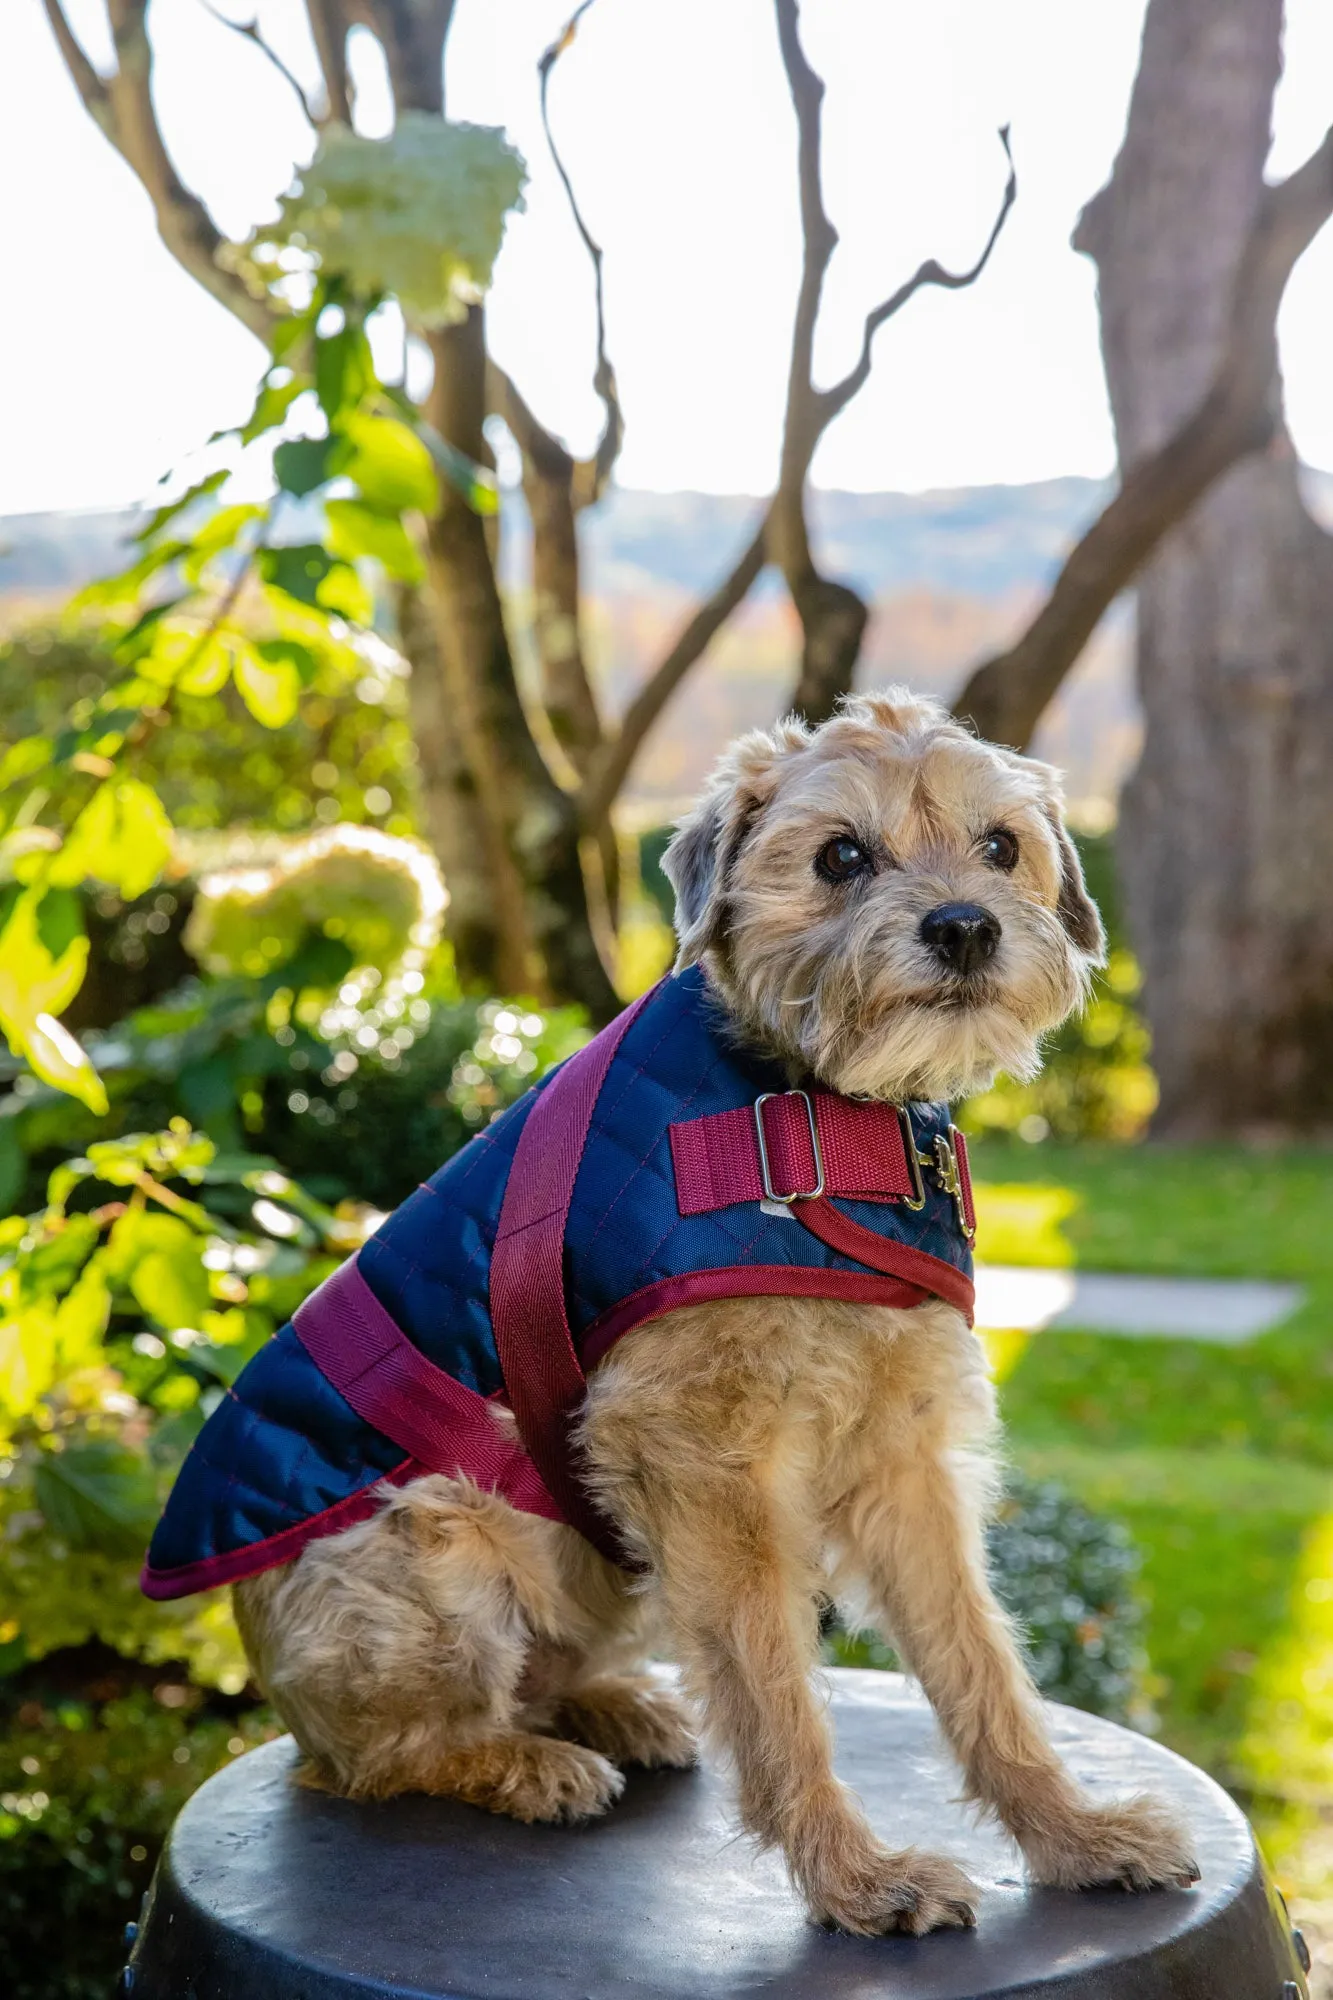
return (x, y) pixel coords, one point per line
(1219, 1460)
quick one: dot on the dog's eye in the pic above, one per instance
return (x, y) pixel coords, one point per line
(838, 860)
(1000, 849)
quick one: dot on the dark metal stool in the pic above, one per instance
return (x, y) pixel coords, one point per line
(266, 1892)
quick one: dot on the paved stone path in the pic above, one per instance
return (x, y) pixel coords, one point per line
(1228, 1311)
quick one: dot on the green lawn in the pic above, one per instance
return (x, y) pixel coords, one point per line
(1220, 1460)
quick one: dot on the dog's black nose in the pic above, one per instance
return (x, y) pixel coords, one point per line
(961, 935)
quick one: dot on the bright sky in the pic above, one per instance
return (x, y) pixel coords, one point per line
(676, 123)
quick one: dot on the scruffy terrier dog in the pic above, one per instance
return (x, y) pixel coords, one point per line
(893, 909)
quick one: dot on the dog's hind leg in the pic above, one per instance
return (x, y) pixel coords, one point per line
(631, 1719)
(915, 1535)
(398, 1653)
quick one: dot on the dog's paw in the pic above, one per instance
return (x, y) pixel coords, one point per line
(631, 1722)
(910, 1892)
(1135, 1844)
(548, 1779)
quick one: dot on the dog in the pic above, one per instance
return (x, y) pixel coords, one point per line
(886, 911)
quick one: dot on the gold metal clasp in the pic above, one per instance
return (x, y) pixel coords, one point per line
(951, 1180)
(765, 1171)
(915, 1160)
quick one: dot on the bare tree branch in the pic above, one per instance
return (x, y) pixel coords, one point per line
(599, 468)
(611, 766)
(249, 32)
(122, 105)
(86, 81)
(833, 616)
(930, 273)
(412, 34)
(328, 30)
(1005, 697)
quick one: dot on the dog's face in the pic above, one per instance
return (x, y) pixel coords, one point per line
(886, 902)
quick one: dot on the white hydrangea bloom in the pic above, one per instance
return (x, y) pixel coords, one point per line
(420, 214)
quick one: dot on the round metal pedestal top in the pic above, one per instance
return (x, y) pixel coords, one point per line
(267, 1892)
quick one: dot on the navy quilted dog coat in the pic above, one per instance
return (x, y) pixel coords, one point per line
(659, 1167)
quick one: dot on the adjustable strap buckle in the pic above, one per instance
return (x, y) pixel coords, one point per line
(951, 1168)
(947, 1162)
(765, 1168)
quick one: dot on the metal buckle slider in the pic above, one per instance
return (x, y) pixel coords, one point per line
(765, 1169)
(951, 1181)
(915, 1160)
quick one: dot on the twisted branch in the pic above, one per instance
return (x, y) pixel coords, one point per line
(598, 470)
(833, 616)
(1005, 697)
(122, 106)
(249, 32)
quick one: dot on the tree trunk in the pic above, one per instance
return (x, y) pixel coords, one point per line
(529, 825)
(451, 817)
(1226, 839)
(567, 695)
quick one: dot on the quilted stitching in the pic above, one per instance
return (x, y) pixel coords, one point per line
(284, 1445)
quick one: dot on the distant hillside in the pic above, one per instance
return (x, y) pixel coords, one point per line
(950, 575)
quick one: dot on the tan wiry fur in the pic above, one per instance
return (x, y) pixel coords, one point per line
(759, 1454)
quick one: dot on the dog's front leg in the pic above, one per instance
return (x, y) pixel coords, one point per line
(915, 1535)
(738, 1587)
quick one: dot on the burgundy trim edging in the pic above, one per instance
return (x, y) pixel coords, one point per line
(738, 1281)
(210, 1571)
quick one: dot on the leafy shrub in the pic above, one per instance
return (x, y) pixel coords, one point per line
(345, 753)
(1067, 1576)
(94, 1766)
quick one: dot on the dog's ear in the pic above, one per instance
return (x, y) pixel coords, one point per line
(708, 839)
(1075, 907)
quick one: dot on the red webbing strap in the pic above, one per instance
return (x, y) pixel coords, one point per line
(445, 1426)
(717, 1158)
(543, 1379)
(897, 1260)
(965, 1180)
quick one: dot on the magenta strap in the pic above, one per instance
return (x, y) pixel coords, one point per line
(445, 1426)
(543, 1377)
(718, 1163)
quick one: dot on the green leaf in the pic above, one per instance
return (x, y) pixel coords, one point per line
(299, 569)
(34, 989)
(122, 837)
(24, 759)
(343, 370)
(344, 591)
(96, 1495)
(270, 689)
(288, 333)
(81, 1320)
(475, 482)
(171, 508)
(358, 530)
(389, 463)
(293, 653)
(27, 1359)
(125, 586)
(207, 664)
(302, 464)
(59, 920)
(131, 644)
(271, 407)
(13, 1163)
(318, 961)
(221, 530)
(159, 1258)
